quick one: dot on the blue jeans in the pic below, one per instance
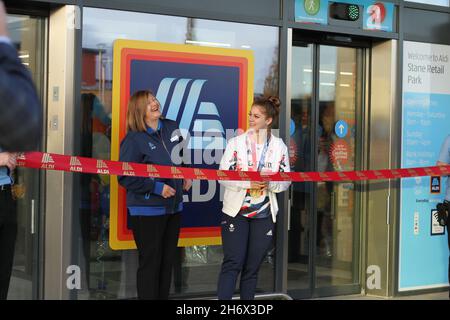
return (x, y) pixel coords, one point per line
(245, 243)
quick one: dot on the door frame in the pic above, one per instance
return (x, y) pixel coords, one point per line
(40, 11)
(318, 39)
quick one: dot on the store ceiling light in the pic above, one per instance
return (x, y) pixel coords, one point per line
(342, 73)
(321, 71)
(211, 44)
(327, 72)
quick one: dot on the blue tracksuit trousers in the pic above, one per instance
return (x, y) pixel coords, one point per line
(245, 243)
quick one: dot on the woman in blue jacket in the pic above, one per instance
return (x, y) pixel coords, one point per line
(154, 205)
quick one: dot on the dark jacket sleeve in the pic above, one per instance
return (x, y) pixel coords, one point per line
(129, 152)
(20, 109)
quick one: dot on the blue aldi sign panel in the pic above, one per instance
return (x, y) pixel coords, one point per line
(206, 91)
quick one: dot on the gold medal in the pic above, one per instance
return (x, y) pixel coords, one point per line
(255, 193)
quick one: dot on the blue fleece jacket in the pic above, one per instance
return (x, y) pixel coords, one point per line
(151, 147)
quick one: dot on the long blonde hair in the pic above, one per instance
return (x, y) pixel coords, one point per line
(137, 107)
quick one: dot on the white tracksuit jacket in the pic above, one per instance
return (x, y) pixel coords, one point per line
(235, 158)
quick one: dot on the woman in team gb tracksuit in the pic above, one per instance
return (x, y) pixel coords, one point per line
(250, 207)
(154, 205)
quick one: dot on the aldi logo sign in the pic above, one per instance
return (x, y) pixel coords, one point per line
(205, 90)
(195, 116)
(435, 184)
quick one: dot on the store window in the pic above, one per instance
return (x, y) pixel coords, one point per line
(111, 274)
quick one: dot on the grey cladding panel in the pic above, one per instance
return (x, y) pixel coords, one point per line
(12, 2)
(426, 26)
(256, 8)
(269, 9)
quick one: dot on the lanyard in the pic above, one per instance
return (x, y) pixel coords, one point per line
(263, 155)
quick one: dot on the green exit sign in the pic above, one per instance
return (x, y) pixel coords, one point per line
(344, 11)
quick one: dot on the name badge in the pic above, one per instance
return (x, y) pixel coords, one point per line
(174, 138)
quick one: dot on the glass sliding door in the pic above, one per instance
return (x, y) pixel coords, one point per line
(339, 78)
(27, 34)
(299, 273)
(326, 101)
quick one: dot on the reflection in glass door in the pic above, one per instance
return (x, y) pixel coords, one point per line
(324, 220)
(299, 273)
(27, 35)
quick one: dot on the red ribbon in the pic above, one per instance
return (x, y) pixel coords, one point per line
(52, 161)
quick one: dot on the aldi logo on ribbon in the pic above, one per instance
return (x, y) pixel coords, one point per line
(152, 171)
(21, 158)
(75, 165)
(222, 175)
(47, 161)
(128, 169)
(176, 172)
(199, 173)
(102, 167)
(206, 91)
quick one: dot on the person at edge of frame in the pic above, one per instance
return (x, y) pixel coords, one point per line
(444, 160)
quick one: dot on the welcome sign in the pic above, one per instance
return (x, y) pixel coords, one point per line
(423, 256)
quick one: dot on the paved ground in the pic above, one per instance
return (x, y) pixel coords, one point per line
(429, 296)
